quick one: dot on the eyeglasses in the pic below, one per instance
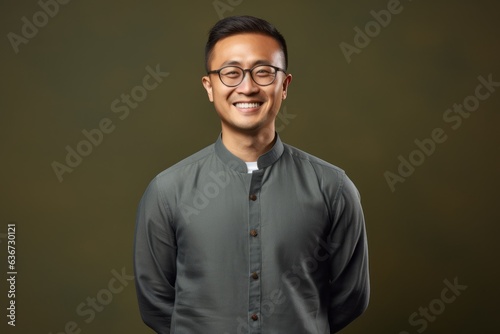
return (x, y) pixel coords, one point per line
(262, 75)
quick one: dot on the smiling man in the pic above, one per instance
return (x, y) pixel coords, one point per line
(250, 235)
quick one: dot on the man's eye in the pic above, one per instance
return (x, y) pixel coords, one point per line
(263, 73)
(231, 74)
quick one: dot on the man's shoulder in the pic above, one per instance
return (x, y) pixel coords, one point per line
(313, 160)
(331, 176)
(192, 160)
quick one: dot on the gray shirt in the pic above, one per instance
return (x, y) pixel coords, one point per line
(280, 250)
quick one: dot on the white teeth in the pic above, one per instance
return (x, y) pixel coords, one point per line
(247, 105)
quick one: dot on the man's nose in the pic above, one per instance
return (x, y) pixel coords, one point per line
(247, 86)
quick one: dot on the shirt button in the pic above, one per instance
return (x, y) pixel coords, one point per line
(253, 197)
(255, 317)
(254, 233)
(255, 275)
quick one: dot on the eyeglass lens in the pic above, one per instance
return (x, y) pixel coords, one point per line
(262, 75)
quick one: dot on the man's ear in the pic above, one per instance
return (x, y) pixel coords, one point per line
(286, 83)
(208, 87)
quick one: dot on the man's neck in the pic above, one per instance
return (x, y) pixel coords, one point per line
(248, 146)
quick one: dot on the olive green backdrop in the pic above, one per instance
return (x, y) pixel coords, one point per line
(75, 236)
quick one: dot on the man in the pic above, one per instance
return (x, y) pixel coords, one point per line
(250, 235)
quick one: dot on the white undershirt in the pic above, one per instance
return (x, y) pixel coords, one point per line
(251, 166)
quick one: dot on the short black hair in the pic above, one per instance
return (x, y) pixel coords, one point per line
(233, 25)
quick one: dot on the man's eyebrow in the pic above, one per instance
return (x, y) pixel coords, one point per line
(255, 63)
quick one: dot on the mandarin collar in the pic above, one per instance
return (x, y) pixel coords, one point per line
(265, 160)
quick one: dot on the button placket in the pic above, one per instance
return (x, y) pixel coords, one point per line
(255, 256)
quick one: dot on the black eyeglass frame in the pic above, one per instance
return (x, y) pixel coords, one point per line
(249, 70)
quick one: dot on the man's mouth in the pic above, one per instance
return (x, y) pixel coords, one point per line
(247, 105)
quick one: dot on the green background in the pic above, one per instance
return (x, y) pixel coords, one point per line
(441, 223)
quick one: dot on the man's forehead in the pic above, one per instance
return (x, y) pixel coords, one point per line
(246, 47)
(249, 62)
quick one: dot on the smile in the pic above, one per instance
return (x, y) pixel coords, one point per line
(245, 105)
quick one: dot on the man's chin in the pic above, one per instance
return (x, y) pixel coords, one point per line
(247, 128)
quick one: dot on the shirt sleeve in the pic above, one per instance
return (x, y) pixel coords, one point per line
(349, 276)
(155, 260)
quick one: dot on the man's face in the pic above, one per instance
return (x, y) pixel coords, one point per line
(248, 107)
